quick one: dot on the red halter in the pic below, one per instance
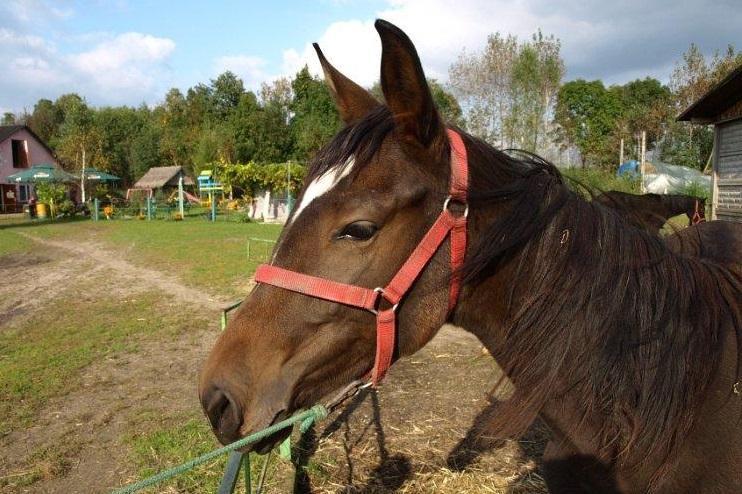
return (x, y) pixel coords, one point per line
(370, 299)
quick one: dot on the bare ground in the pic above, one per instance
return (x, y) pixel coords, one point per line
(419, 433)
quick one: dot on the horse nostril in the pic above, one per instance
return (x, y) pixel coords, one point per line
(223, 413)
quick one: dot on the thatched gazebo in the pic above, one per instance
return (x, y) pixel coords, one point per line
(161, 177)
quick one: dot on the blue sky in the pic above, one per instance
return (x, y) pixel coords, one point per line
(130, 52)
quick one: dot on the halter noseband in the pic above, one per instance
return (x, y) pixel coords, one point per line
(369, 299)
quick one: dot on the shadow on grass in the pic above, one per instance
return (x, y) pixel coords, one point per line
(388, 475)
(27, 223)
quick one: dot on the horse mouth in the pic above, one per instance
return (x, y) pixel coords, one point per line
(266, 444)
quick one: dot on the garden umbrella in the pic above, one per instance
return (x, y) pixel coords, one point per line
(100, 176)
(41, 173)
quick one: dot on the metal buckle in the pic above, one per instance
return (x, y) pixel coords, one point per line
(448, 200)
(382, 293)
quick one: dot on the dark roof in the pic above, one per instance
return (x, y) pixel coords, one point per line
(160, 176)
(719, 98)
(8, 130)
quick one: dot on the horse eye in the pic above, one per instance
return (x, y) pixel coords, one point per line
(359, 230)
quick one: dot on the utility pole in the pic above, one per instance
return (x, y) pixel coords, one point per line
(620, 156)
(643, 158)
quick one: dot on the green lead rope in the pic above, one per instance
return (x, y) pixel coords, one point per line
(306, 419)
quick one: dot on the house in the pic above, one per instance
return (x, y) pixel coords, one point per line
(19, 148)
(722, 107)
(161, 177)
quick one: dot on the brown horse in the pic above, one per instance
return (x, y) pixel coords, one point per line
(626, 350)
(651, 211)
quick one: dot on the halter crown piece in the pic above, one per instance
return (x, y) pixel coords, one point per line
(447, 224)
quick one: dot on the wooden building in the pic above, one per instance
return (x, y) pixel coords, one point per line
(722, 107)
(20, 148)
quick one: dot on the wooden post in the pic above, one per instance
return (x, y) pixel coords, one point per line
(180, 196)
(642, 163)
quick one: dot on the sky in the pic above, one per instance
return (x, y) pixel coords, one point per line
(126, 52)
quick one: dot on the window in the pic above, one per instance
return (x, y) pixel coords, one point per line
(20, 154)
(23, 193)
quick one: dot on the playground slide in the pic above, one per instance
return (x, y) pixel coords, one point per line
(191, 198)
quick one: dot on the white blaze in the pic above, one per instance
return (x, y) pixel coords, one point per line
(323, 184)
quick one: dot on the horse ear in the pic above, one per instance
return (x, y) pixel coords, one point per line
(352, 101)
(405, 89)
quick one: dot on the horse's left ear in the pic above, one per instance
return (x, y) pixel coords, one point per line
(405, 89)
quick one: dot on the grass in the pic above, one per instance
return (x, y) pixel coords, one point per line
(601, 180)
(203, 254)
(166, 446)
(42, 357)
(10, 243)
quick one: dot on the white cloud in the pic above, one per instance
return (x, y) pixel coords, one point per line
(250, 69)
(127, 62)
(116, 69)
(628, 38)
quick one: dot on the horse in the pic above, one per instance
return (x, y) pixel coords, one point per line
(627, 351)
(716, 241)
(651, 211)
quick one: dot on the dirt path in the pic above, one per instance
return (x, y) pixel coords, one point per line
(77, 437)
(127, 273)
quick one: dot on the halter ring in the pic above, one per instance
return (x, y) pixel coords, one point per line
(448, 200)
(381, 292)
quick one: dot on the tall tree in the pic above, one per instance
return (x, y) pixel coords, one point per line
(226, 91)
(684, 143)
(314, 116)
(586, 113)
(508, 90)
(46, 120)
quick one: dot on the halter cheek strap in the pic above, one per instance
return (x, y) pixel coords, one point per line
(447, 224)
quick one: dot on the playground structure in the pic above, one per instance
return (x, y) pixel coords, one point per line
(208, 187)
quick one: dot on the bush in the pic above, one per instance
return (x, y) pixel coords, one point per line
(67, 208)
(694, 189)
(597, 181)
(50, 193)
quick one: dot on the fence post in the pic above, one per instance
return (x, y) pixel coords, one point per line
(232, 472)
(149, 208)
(95, 209)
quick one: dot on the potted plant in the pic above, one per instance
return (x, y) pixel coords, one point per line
(49, 194)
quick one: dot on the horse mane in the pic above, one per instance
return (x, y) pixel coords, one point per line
(609, 311)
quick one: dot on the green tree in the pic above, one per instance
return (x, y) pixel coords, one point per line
(8, 118)
(226, 91)
(315, 119)
(46, 120)
(694, 75)
(586, 113)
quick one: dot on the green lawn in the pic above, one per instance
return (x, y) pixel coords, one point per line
(202, 254)
(42, 357)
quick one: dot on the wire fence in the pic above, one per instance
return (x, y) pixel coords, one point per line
(152, 209)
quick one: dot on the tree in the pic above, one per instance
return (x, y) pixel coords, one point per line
(8, 118)
(314, 116)
(586, 113)
(226, 91)
(684, 143)
(508, 90)
(46, 120)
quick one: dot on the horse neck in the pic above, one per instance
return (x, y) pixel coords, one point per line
(679, 205)
(562, 317)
